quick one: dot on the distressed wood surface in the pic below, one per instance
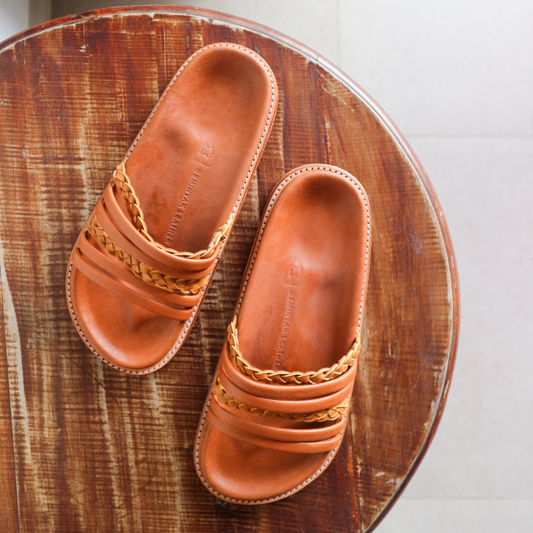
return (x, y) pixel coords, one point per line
(85, 448)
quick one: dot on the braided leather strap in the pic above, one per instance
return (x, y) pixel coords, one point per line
(284, 377)
(325, 415)
(146, 273)
(123, 184)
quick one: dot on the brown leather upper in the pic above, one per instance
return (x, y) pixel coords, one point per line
(133, 292)
(262, 438)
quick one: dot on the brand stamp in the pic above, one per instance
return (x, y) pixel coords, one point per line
(295, 273)
(201, 159)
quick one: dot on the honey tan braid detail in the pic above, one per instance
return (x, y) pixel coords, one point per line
(122, 183)
(146, 273)
(325, 415)
(284, 377)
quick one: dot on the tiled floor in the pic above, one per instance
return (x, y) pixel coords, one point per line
(457, 78)
(443, 67)
(460, 516)
(483, 449)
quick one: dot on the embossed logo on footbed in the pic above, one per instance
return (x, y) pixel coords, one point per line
(202, 157)
(295, 273)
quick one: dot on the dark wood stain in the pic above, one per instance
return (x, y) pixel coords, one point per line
(85, 448)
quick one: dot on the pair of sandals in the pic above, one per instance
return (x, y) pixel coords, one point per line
(140, 269)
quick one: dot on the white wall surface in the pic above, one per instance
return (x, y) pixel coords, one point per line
(457, 78)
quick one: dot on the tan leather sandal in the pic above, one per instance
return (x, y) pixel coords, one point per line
(144, 260)
(277, 410)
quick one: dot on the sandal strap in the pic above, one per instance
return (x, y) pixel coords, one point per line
(141, 270)
(110, 209)
(276, 391)
(298, 407)
(284, 377)
(279, 416)
(285, 426)
(122, 182)
(127, 239)
(141, 299)
(323, 415)
(107, 263)
(248, 437)
(257, 426)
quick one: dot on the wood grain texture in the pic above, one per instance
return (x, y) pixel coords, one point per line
(85, 448)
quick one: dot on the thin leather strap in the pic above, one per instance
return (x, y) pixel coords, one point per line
(286, 377)
(140, 269)
(260, 426)
(110, 283)
(295, 447)
(106, 221)
(106, 263)
(282, 392)
(176, 263)
(309, 405)
(122, 182)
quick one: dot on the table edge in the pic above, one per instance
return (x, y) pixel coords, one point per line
(313, 56)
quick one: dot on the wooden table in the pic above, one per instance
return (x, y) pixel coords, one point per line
(86, 448)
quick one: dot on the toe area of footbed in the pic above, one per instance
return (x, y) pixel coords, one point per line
(244, 473)
(123, 334)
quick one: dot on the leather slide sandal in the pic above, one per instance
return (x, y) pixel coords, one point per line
(277, 410)
(142, 264)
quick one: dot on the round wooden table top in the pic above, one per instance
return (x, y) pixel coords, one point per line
(86, 448)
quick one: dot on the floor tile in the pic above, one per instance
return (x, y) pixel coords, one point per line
(14, 17)
(458, 517)
(444, 66)
(484, 446)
